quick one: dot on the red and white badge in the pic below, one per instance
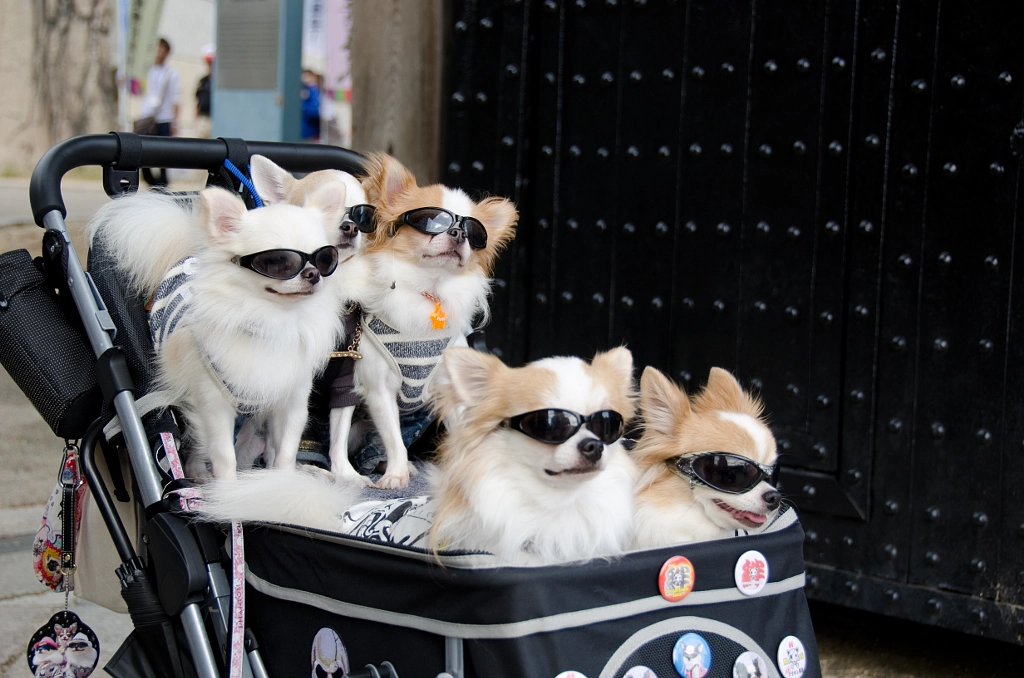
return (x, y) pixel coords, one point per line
(675, 581)
(792, 657)
(751, 572)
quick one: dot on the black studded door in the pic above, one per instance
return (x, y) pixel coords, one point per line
(820, 196)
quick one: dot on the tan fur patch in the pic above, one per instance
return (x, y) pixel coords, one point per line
(614, 368)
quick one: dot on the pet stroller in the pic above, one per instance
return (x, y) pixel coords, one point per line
(335, 604)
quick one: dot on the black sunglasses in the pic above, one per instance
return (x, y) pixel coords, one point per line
(557, 426)
(286, 264)
(363, 216)
(723, 471)
(434, 220)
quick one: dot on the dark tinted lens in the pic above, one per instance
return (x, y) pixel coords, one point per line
(726, 472)
(363, 216)
(429, 220)
(476, 234)
(326, 260)
(280, 264)
(606, 425)
(550, 426)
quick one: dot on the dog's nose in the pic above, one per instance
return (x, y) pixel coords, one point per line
(772, 499)
(591, 449)
(457, 233)
(348, 228)
(311, 275)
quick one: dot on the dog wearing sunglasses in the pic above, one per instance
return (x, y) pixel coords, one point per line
(705, 462)
(424, 278)
(244, 309)
(535, 472)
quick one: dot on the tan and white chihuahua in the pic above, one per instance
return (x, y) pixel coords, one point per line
(705, 462)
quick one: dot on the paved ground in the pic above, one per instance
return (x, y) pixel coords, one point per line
(852, 644)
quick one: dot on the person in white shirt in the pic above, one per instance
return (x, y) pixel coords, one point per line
(163, 93)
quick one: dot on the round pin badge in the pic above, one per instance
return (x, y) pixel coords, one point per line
(750, 665)
(792, 657)
(676, 579)
(570, 674)
(691, 656)
(751, 572)
(639, 672)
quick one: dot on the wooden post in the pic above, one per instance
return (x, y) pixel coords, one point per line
(397, 54)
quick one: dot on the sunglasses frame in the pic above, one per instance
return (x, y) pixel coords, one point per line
(307, 258)
(362, 228)
(457, 222)
(516, 422)
(682, 466)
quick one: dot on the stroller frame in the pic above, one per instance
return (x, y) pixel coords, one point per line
(121, 156)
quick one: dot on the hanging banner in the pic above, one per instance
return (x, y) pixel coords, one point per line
(143, 23)
(339, 27)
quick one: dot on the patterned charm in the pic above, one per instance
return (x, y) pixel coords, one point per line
(751, 573)
(438, 318)
(64, 646)
(675, 581)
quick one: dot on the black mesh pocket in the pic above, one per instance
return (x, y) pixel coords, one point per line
(44, 350)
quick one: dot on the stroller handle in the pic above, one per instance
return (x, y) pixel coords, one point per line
(183, 153)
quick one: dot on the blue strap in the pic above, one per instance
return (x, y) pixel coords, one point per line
(245, 181)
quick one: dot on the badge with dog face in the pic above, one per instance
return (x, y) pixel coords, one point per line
(792, 657)
(751, 572)
(676, 579)
(691, 656)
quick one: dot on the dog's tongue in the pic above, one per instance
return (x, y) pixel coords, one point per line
(752, 517)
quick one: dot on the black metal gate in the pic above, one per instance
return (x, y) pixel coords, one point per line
(820, 196)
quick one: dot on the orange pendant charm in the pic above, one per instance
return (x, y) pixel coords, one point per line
(437, 318)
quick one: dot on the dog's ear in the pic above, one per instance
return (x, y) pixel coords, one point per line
(499, 217)
(471, 372)
(662, 403)
(329, 198)
(271, 181)
(221, 211)
(386, 179)
(723, 392)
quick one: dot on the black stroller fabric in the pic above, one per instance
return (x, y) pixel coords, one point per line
(600, 619)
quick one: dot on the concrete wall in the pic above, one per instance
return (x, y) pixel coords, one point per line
(57, 76)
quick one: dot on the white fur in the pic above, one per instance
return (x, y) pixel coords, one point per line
(266, 337)
(299, 497)
(758, 431)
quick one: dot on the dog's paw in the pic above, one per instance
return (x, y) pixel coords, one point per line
(352, 477)
(413, 471)
(393, 481)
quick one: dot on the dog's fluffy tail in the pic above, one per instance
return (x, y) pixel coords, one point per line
(297, 497)
(147, 234)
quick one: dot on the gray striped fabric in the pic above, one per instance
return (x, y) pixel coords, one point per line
(172, 300)
(414, 357)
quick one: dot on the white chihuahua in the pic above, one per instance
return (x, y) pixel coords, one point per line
(244, 308)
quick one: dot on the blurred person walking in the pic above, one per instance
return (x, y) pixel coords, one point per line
(204, 95)
(163, 93)
(310, 130)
